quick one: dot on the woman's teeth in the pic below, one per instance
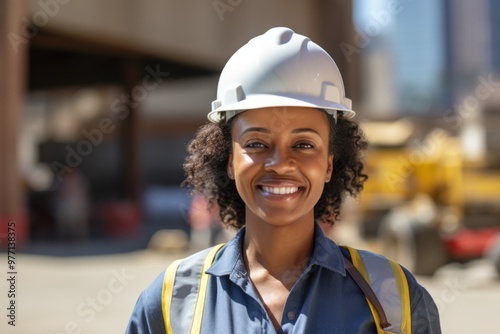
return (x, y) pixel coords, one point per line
(280, 190)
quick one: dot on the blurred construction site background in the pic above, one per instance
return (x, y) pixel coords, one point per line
(98, 100)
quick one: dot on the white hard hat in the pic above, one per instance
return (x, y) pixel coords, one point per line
(280, 69)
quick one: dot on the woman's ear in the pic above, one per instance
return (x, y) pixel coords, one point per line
(230, 170)
(329, 169)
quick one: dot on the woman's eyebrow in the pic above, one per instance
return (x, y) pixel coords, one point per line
(264, 130)
(255, 129)
(300, 130)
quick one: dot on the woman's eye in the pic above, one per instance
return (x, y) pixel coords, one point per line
(303, 145)
(255, 145)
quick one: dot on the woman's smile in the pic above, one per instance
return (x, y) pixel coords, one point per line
(283, 193)
(280, 190)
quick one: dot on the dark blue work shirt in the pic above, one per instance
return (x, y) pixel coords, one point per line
(324, 299)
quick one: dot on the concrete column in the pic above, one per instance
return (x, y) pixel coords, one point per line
(13, 62)
(125, 214)
(130, 137)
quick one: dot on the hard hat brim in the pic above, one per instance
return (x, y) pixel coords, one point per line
(257, 101)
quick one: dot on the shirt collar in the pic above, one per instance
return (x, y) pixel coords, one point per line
(326, 254)
(229, 256)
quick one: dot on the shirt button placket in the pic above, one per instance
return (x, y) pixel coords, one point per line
(290, 315)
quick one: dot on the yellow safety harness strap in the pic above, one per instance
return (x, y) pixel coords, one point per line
(404, 293)
(168, 286)
(175, 279)
(202, 291)
(384, 276)
(360, 276)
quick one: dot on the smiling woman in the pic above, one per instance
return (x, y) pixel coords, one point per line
(278, 158)
(210, 151)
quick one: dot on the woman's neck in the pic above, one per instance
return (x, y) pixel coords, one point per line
(281, 251)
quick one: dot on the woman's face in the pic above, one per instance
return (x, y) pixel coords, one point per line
(280, 163)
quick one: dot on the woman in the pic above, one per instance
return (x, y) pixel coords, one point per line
(278, 158)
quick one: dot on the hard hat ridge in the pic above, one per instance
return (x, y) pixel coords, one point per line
(280, 69)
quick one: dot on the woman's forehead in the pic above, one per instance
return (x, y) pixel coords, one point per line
(277, 119)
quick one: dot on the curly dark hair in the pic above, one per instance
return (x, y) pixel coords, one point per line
(206, 170)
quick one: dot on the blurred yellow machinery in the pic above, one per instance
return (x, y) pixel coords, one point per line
(429, 201)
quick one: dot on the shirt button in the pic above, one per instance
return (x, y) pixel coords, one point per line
(290, 315)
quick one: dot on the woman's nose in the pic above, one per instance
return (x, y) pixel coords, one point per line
(280, 161)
